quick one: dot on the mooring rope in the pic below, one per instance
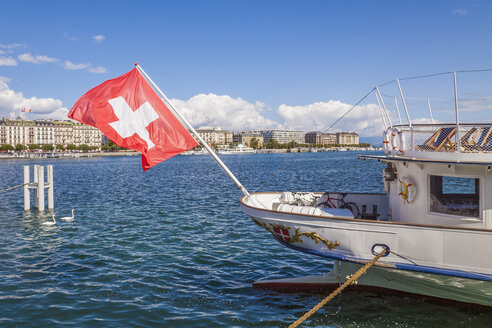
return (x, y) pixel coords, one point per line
(7, 189)
(328, 298)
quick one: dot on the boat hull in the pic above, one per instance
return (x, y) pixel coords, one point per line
(390, 281)
(426, 260)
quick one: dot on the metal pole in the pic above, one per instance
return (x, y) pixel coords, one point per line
(204, 144)
(458, 136)
(430, 110)
(51, 199)
(41, 188)
(398, 111)
(384, 107)
(404, 104)
(27, 198)
(381, 111)
(36, 186)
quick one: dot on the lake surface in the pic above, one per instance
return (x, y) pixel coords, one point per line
(171, 248)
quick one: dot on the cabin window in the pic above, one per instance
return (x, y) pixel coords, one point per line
(455, 196)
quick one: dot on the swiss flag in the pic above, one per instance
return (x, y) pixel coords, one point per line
(282, 234)
(129, 112)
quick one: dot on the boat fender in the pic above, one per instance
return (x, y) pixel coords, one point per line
(407, 190)
(387, 141)
(397, 141)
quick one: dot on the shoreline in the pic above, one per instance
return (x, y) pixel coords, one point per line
(51, 155)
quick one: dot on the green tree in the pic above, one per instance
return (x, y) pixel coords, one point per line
(7, 147)
(34, 146)
(254, 143)
(272, 144)
(85, 148)
(19, 147)
(47, 147)
(71, 147)
(60, 147)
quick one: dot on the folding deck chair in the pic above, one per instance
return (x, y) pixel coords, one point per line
(441, 138)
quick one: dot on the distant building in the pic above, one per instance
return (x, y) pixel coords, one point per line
(320, 138)
(246, 137)
(283, 136)
(48, 132)
(213, 135)
(347, 138)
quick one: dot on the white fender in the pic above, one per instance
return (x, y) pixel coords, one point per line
(407, 189)
(397, 141)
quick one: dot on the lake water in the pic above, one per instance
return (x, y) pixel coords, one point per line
(171, 248)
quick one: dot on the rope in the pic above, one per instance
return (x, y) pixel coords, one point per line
(357, 103)
(7, 189)
(353, 278)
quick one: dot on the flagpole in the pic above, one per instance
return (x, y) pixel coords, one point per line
(207, 147)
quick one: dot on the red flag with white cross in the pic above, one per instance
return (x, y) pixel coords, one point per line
(282, 234)
(129, 112)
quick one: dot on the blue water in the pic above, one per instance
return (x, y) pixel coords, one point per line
(171, 248)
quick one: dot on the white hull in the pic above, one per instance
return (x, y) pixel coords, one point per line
(428, 260)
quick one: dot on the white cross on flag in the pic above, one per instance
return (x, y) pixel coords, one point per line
(129, 112)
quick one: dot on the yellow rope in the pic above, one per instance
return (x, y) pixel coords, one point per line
(328, 298)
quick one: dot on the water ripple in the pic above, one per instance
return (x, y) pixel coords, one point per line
(171, 248)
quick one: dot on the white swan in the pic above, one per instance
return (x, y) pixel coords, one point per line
(68, 218)
(50, 222)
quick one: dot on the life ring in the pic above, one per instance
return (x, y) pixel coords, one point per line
(387, 141)
(407, 190)
(397, 141)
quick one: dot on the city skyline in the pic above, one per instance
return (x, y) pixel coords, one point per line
(239, 65)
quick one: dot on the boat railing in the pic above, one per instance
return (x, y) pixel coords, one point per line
(451, 137)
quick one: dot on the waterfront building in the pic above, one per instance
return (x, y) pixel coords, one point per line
(320, 138)
(246, 137)
(283, 136)
(347, 138)
(47, 132)
(214, 135)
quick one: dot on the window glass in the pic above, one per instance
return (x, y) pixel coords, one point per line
(455, 196)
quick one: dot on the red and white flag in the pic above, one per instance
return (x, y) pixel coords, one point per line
(129, 112)
(282, 234)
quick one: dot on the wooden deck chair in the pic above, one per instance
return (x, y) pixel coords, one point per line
(484, 135)
(442, 138)
(484, 140)
(468, 140)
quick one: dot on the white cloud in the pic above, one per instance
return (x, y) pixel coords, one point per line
(27, 57)
(87, 66)
(12, 103)
(460, 11)
(365, 120)
(98, 69)
(223, 111)
(9, 48)
(70, 65)
(8, 61)
(98, 38)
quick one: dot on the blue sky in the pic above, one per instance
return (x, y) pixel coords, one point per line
(236, 64)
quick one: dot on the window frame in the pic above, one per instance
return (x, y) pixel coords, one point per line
(453, 216)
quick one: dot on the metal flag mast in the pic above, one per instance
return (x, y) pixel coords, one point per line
(207, 147)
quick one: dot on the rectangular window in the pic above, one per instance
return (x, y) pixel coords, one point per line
(455, 196)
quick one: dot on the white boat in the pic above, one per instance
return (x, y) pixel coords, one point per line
(239, 149)
(435, 217)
